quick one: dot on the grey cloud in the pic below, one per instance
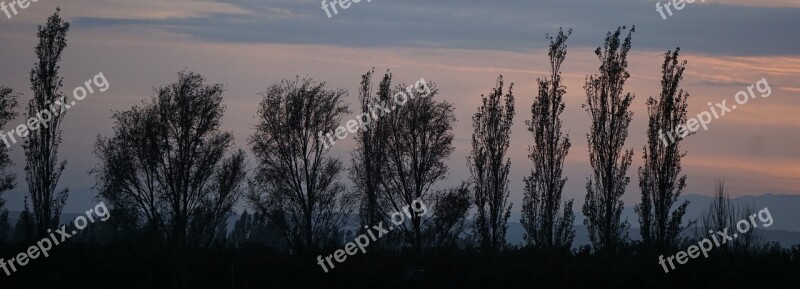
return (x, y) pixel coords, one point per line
(515, 25)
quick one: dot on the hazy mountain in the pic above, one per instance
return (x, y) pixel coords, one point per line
(783, 208)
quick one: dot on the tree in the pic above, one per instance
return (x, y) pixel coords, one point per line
(5, 226)
(42, 169)
(8, 101)
(489, 166)
(246, 229)
(419, 140)
(751, 241)
(297, 184)
(169, 164)
(221, 234)
(23, 230)
(660, 176)
(242, 228)
(722, 214)
(369, 155)
(542, 201)
(255, 228)
(448, 221)
(608, 108)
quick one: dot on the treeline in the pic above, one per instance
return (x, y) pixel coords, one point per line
(171, 176)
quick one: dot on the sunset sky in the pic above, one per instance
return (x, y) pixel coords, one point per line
(461, 45)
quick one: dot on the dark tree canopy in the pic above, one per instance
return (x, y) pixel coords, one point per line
(489, 166)
(170, 166)
(8, 101)
(723, 214)
(297, 183)
(369, 156)
(546, 224)
(169, 163)
(42, 168)
(660, 176)
(420, 137)
(608, 106)
(448, 220)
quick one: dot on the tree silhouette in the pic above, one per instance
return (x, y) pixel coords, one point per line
(542, 200)
(42, 169)
(722, 214)
(5, 226)
(169, 164)
(242, 228)
(660, 176)
(420, 139)
(297, 184)
(752, 241)
(608, 106)
(254, 228)
(8, 101)
(370, 153)
(23, 230)
(447, 222)
(489, 167)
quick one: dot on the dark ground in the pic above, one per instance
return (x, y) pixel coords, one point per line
(256, 266)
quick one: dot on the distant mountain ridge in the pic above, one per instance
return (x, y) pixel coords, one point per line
(785, 211)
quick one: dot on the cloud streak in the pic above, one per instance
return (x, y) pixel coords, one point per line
(516, 25)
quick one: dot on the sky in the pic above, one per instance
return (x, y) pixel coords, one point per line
(462, 46)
